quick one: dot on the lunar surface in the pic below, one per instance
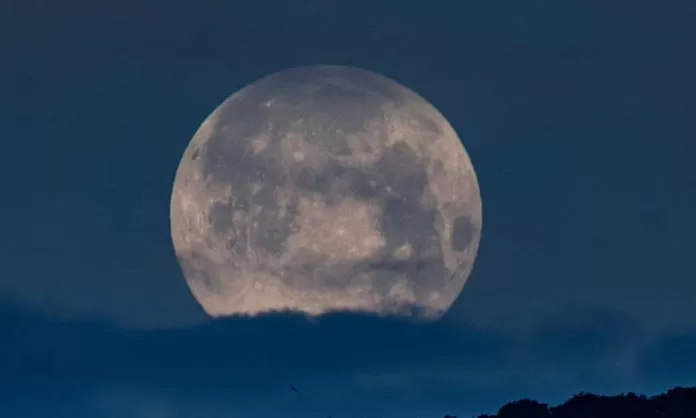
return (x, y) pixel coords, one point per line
(321, 189)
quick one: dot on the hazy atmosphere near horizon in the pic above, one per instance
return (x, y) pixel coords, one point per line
(579, 118)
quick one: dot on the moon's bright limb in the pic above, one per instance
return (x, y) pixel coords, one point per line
(321, 189)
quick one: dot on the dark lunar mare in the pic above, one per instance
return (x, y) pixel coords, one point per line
(199, 265)
(405, 220)
(463, 232)
(242, 171)
(228, 156)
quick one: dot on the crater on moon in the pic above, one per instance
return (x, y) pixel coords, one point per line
(320, 189)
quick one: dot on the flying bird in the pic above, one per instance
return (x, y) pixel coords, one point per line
(294, 389)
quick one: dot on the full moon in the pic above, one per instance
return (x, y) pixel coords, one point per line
(322, 189)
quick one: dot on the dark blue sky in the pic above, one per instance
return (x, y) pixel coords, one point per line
(579, 117)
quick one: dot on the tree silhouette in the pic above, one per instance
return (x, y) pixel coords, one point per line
(678, 402)
(525, 408)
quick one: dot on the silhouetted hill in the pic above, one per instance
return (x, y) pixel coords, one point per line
(678, 402)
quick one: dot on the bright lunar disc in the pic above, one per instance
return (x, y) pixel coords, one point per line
(321, 189)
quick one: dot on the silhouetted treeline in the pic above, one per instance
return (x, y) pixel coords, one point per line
(676, 403)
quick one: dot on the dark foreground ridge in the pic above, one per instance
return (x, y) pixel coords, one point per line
(678, 402)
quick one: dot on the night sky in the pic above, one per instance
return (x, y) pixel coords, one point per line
(580, 120)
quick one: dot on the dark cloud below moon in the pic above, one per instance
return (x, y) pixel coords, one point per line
(249, 362)
(234, 352)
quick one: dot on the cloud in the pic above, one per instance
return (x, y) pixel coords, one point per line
(249, 363)
(237, 352)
